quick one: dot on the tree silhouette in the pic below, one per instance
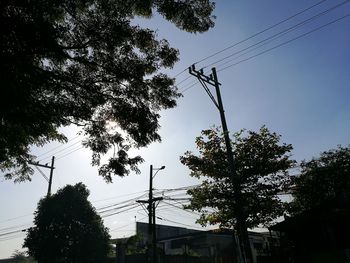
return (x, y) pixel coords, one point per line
(322, 179)
(87, 63)
(19, 256)
(262, 163)
(67, 229)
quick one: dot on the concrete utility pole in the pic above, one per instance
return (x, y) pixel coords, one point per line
(150, 202)
(51, 167)
(152, 239)
(243, 248)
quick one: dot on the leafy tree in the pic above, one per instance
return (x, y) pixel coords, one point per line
(262, 163)
(19, 256)
(87, 63)
(322, 179)
(67, 229)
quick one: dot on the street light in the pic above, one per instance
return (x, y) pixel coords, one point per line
(156, 169)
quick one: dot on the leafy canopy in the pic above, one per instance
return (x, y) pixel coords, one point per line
(67, 229)
(87, 63)
(262, 163)
(322, 179)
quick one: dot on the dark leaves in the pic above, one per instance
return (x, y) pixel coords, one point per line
(262, 163)
(84, 62)
(322, 179)
(67, 229)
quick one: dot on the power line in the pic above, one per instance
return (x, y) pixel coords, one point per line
(286, 42)
(62, 150)
(189, 87)
(59, 146)
(235, 44)
(166, 210)
(262, 31)
(178, 223)
(250, 37)
(129, 206)
(123, 202)
(7, 229)
(118, 196)
(125, 210)
(114, 229)
(64, 155)
(14, 218)
(186, 210)
(20, 235)
(281, 33)
(12, 232)
(117, 208)
(182, 81)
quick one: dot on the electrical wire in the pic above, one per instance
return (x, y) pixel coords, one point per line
(286, 42)
(7, 229)
(65, 155)
(14, 218)
(62, 150)
(12, 232)
(125, 210)
(114, 229)
(178, 223)
(186, 210)
(118, 196)
(184, 89)
(21, 235)
(118, 208)
(123, 202)
(262, 31)
(250, 37)
(59, 146)
(281, 33)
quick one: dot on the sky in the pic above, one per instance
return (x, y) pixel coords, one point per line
(299, 90)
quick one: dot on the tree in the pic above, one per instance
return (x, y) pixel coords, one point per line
(19, 256)
(87, 63)
(322, 179)
(262, 163)
(67, 229)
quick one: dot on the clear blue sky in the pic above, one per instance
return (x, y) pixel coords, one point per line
(300, 90)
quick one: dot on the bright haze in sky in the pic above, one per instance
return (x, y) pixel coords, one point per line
(294, 78)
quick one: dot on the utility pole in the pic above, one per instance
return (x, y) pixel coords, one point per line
(152, 238)
(154, 229)
(150, 218)
(51, 167)
(243, 248)
(51, 174)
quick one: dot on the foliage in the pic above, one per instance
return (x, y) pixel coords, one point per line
(19, 256)
(262, 163)
(322, 179)
(87, 63)
(133, 245)
(67, 229)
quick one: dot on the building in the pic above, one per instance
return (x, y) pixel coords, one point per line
(191, 245)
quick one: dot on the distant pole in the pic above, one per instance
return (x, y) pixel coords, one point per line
(51, 174)
(154, 241)
(150, 208)
(152, 238)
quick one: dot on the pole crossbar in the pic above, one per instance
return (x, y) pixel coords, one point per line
(51, 167)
